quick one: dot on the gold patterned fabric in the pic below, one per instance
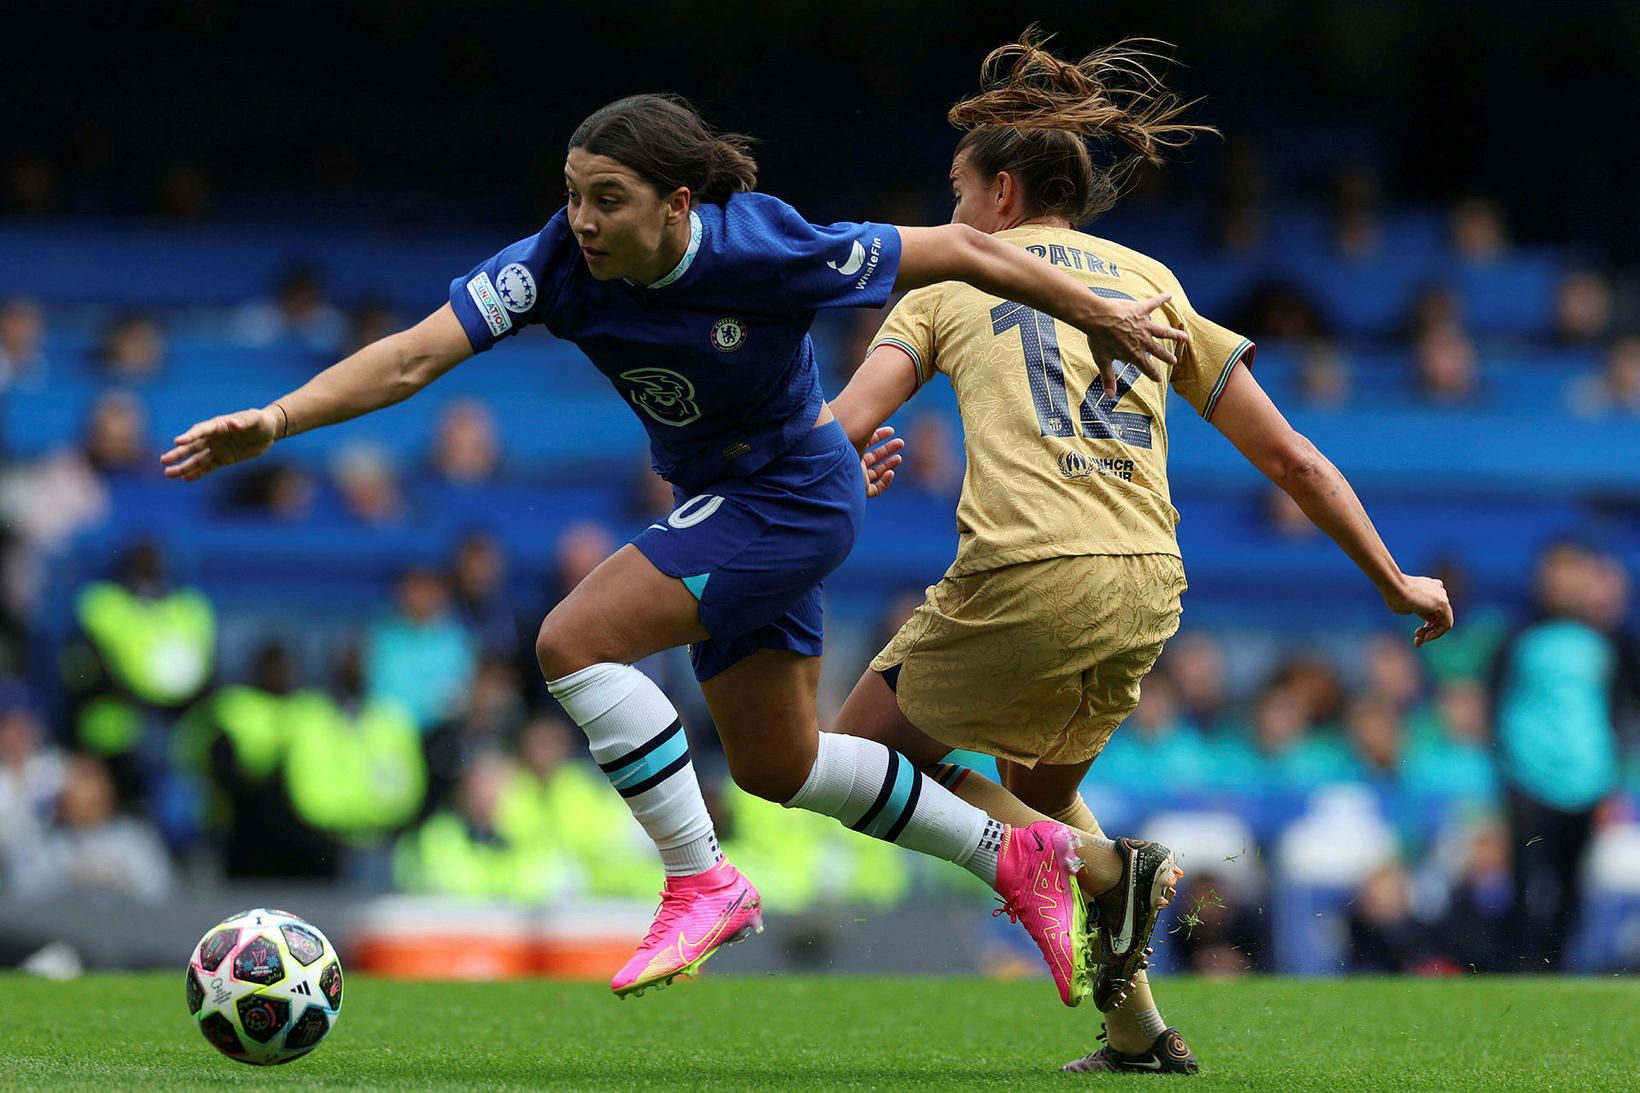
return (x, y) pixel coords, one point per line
(1054, 469)
(1039, 661)
(1067, 578)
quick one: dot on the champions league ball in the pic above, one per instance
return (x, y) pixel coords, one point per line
(264, 986)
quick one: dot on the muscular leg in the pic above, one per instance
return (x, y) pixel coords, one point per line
(1025, 796)
(873, 713)
(1134, 1025)
(623, 611)
(764, 707)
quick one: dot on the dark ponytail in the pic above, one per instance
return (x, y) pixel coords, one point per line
(666, 143)
(1036, 113)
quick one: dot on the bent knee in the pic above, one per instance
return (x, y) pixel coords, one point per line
(773, 778)
(559, 651)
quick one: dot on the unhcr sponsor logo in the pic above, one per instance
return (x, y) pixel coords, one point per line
(1074, 465)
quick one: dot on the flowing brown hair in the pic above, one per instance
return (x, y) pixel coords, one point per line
(1036, 113)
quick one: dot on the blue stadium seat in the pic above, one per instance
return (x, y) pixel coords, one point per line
(1369, 296)
(1310, 934)
(1512, 295)
(142, 267)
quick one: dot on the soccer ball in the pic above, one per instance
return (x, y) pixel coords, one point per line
(264, 986)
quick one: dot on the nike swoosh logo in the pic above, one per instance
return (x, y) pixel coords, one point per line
(1148, 1064)
(1124, 937)
(856, 259)
(684, 944)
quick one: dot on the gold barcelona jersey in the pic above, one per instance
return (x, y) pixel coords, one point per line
(1056, 467)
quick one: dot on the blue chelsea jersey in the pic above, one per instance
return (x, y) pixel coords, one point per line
(715, 357)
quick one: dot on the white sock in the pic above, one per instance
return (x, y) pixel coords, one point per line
(877, 792)
(984, 862)
(639, 744)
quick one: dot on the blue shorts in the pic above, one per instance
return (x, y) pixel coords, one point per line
(754, 550)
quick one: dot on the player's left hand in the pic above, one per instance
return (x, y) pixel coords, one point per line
(881, 456)
(1125, 331)
(1425, 597)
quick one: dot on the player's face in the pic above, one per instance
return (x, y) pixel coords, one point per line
(976, 197)
(624, 227)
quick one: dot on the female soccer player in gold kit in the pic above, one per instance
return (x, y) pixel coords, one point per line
(1067, 579)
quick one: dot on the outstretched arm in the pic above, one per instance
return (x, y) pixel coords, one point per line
(381, 374)
(1117, 330)
(1252, 423)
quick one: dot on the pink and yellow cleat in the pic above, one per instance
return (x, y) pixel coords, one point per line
(698, 915)
(1037, 889)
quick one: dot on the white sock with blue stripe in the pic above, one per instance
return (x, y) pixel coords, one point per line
(876, 791)
(639, 744)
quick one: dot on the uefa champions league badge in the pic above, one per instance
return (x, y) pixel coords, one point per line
(728, 335)
(517, 288)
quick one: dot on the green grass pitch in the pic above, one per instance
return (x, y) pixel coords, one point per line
(134, 1032)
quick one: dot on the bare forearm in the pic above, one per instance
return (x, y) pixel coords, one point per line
(1005, 270)
(955, 253)
(381, 374)
(1326, 497)
(855, 418)
(1117, 330)
(374, 377)
(1252, 423)
(878, 387)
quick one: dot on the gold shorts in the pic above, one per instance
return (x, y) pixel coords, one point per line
(1036, 662)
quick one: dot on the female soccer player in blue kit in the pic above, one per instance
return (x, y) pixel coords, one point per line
(694, 296)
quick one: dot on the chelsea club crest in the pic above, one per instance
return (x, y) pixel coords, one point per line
(728, 335)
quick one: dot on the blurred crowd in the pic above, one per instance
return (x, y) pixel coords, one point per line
(1581, 342)
(1579, 348)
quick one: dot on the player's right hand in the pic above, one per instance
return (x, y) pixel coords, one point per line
(1126, 332)
(878, 461)
(230, 438)
(1426, 598)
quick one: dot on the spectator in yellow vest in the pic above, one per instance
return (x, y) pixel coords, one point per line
(353, 763)
(802, 859)
(555, 797)
(459, 851)
(236, 740)
(144, 653)
(308, 777)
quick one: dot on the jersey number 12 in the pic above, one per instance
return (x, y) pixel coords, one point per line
(1045, 372)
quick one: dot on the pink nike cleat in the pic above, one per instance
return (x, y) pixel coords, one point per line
(697, 916)
(1037, 889)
